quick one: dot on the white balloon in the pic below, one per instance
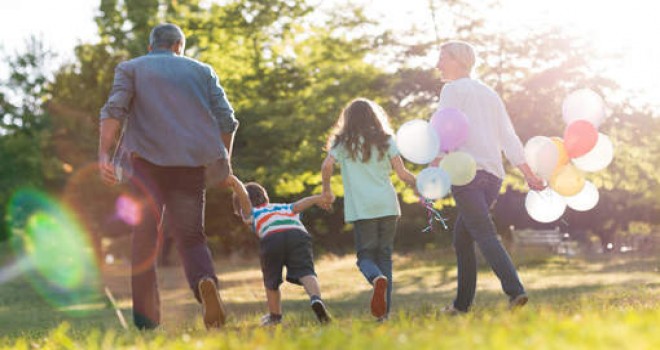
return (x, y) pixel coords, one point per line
(585, 199)
(545, 206)
(598, 158)
(417, 141)
(433, 183)
(583, 104)
(542, 156)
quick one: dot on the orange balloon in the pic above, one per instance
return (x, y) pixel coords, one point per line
(563, 155)
(580, 137)
(567, 181)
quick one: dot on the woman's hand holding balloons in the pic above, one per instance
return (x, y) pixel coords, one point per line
(534, 182)
(564, 162)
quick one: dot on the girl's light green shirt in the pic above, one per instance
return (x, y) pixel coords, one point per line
(368, 189)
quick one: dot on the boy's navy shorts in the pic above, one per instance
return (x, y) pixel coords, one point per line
(290, 248)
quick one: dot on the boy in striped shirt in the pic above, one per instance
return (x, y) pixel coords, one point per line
(283, 241)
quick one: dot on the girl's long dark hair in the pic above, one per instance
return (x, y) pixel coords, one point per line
(361, 125)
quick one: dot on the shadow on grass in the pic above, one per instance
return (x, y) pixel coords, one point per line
(617, 264)
(425, 284)
(25, 312)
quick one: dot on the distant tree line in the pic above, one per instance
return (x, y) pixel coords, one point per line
(288, 69)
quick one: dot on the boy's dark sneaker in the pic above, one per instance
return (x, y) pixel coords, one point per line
(321, 312)
(212, 307)
(270, 320)
(450, 310)
(379, 297)
(518, 301)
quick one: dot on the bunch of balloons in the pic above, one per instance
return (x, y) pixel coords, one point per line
(563, 162)
(421, 142)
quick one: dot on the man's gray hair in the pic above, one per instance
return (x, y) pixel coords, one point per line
(165, 35)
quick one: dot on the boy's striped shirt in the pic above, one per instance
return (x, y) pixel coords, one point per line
(275, 217)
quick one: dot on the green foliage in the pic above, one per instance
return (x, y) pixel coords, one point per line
(289, 69)
(286, 74)
(26, 157)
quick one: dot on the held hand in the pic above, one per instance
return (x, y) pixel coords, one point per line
(107, 171)
(226, 183)
(534, 182)
(416, 190)
(327, 199)
(435, 162)
(230, 180)
(325, 206)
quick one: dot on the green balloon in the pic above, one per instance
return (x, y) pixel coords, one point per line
(460, 166)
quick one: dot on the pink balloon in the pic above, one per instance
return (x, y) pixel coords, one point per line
(452, 127)
(579, 138)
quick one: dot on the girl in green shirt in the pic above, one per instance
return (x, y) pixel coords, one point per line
(363, 146)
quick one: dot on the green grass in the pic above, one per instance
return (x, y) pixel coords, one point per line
(606, 303)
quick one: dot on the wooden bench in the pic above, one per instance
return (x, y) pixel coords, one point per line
(557, 241)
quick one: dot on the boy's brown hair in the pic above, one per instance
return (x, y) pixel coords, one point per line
(257, 194)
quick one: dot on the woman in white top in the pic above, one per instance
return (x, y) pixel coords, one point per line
(491, 133)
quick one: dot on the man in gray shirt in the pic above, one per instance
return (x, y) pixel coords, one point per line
(176, 122)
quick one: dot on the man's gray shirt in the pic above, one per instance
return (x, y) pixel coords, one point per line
(174, 109)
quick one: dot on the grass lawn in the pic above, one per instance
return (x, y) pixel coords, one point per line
(610, 302)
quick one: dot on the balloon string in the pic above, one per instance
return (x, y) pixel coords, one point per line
(432, 214)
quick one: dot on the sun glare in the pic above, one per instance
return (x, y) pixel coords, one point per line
(626, 29)
(623, 28)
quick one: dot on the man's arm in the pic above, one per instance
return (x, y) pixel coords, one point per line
(113, 113)
(228, 141)
(107, 136)
(222, 110)
(224, 114)
(243, 198)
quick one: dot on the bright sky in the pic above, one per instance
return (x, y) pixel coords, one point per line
(629, 27)
(61, 24)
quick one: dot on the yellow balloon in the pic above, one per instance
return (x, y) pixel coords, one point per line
(567, 180)
(460, 166)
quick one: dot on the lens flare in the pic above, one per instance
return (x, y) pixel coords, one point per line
(92, 201)
(128, 210)
(61, 263)
(112, 212)
(13, 270)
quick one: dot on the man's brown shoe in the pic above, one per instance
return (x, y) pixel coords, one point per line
(212, 307)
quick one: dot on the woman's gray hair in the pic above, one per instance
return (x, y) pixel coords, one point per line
(461, 51)
(165, 35)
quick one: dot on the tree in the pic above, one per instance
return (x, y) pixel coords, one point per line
(281, 70)
(289, 70)
(26, 159)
